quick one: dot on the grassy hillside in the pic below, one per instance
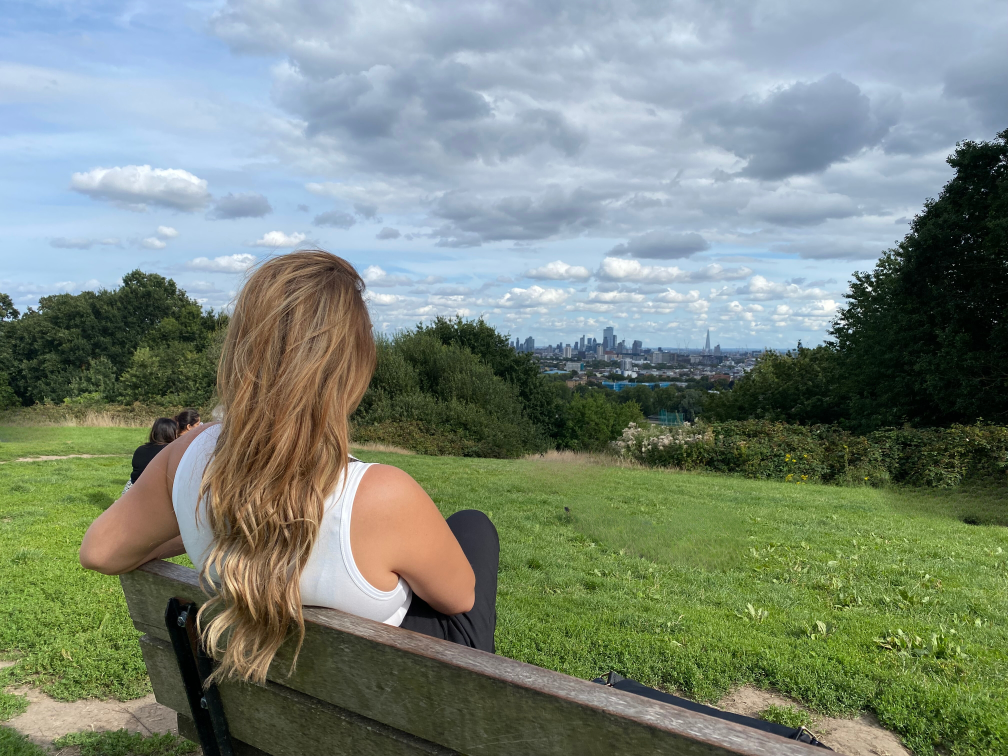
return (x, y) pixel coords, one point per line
(643, 571)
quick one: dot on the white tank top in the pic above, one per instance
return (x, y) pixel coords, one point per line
(331, 578)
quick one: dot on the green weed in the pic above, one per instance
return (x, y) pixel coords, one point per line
(11, 705)
(123, 743)
(13, 743)
(752, 614)
(789, 716)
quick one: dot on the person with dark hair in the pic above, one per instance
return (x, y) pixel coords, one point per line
(162, 432)
(187, 419)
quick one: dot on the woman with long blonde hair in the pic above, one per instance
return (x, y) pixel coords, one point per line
(271, 507)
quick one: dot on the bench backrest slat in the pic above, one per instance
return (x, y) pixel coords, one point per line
(433, 693)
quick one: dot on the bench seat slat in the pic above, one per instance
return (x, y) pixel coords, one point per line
(465, 700)
(283, 722)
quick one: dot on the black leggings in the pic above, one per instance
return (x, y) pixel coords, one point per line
(478, 538)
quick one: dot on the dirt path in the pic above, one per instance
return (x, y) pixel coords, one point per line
(47, 719)
(863, 736)
(64, 456)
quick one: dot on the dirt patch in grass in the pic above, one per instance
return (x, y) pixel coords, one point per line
(863, 736)
(47, 719)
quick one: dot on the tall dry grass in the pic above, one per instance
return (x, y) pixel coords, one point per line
(371, 446)
(598, 459)
(103, 416)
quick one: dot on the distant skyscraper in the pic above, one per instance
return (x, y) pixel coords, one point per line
(636, 348)
(706, 349)
(599, 351)
(609, 338)
(582, 342)
(567, 351)
(529, 344)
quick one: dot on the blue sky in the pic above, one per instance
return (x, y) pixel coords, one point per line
(559, 167)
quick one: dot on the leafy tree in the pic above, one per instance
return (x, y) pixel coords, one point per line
(52, 349)
(442, 397)
(7, 309)
(8, 312)
(923, 338)
(591, 421)
(542, 401)
(798, 387)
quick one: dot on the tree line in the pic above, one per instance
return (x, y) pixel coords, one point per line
(144, 341)
(923, 338)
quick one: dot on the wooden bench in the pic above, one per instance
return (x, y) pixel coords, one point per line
(364, 688)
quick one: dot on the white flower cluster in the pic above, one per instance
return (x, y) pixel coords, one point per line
(637, 441)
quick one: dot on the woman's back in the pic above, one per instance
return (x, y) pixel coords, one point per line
(331, 577)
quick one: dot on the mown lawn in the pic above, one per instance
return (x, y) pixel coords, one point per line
(646, 572)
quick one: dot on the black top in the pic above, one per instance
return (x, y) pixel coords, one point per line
(142, 457)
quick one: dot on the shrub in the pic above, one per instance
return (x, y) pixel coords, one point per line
(443, 399)
(591, 422)
(824, 453)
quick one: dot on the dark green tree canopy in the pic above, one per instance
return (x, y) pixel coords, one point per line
(52, 349)
(797, 387)
(923, 338)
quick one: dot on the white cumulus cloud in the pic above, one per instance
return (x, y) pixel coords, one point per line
(532, 297)
(134, 187)
(152, 242)
(166, 232)
(558, 270)
(238, 263)
(671, 295)
(761, 288)
(632, 271)
(276, 239)
(615, 296)
(376, 276)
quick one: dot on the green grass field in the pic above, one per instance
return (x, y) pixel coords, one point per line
(646, 572)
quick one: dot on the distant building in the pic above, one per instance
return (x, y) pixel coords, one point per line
(529, 345)
(717, 350)
(582, 343)
(706, 349)
(599, 351)
(608, 338)
(626, 364)
(636, 348)
(574, 366)
(567, 352)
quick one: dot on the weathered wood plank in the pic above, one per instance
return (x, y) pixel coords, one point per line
(467, 700)
(282, 722)
(187, 729)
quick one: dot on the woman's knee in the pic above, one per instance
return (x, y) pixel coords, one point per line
(473, 525)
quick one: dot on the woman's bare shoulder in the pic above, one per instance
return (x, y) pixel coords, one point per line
(386, 481)
(177, 448)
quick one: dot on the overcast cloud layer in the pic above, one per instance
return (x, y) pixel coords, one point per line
(663, 168)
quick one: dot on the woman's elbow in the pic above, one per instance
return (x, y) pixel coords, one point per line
(464, 600)
(93, 557)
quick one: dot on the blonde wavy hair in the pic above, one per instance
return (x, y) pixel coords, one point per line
(296, 361)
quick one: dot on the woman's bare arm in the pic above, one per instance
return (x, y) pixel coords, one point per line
(396, 530)
(135, 527)
(141, 525)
